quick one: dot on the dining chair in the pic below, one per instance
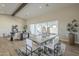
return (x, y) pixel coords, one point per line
(53, 47)
(62, 50)
(31, 47)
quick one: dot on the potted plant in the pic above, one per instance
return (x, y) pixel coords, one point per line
(24, 28)
(72, 29)
(23, 32)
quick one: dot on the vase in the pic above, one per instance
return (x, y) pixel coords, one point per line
(72, 39)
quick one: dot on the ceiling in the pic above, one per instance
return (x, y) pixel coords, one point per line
(8, 8)
(31, 9)
(37, 9)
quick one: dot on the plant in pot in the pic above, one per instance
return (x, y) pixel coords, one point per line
(72, 29)
(24, 28)
(23, 33)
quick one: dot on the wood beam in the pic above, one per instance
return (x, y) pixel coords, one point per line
(19, 8)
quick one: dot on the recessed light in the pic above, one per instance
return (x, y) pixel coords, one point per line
(40, 7)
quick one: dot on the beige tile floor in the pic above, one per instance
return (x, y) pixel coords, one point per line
(7, 48)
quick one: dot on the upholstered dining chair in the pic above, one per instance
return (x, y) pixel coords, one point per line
(31, 47)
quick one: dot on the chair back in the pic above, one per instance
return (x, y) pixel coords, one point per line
(29, 43)
(63, 47)
(56, 41)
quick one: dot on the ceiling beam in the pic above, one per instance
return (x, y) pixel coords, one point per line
(19, 8)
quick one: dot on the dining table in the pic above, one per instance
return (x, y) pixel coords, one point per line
(42, 39)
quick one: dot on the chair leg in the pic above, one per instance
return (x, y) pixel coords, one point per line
(31, 51)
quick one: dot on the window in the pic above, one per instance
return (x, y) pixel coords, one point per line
(46, 27)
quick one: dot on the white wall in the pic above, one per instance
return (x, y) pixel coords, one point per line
(7, 21)
(64, 16)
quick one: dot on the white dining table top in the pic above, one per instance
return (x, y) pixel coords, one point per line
(51, 46)
(40, 39)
